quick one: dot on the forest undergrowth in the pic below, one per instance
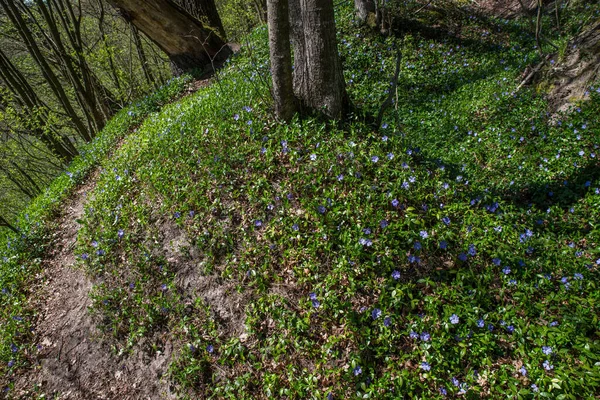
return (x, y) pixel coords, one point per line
(453, 252)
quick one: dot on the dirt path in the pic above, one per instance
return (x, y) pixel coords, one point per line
(73, 362)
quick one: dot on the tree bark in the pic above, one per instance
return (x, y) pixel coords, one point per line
(318, 78)
(4, 222)
(281, 58)
(365, 10)
(205, 11)
(142, 56)
(184, 39)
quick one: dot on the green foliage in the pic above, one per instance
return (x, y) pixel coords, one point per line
(20, 256)
(456, 250)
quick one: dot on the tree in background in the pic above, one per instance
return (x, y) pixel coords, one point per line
(182, 37)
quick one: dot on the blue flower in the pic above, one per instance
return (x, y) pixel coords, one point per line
(490, 327)
(454, 319)
(365, 242)
(510, 329)
(578, 276)
(455, 381)
(177, 214)
(534, 387)
(357, 370)
(383, 224)
(163, 287)
(395, 203)
(553, 323)
(443, 391)
(424, 234)
(547, 350)
(496, 261)
(313, 157)
(425, 336)
(295, 227)
(210, 348)
(396, 275)
(340, 177)
(443, 245)
(390, 156)
(446, 220)
(548, 366)
(84, 256)
(472, 252)
(417, 246)
(321, 209)
(480, 323)
(13, 348)
(258, 223)
(413, 335)
(425, 366)
(523, 371)
(462, 257)
(376, 313)
(387, 321)
(506, 270)
(374, 159)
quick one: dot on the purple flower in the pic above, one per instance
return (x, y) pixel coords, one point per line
(548, 366)
(506, 270)
(121, 233)
(462, 257)
(177, 214)
(523, 371)
(13, 348)
(313, 157)
(424, 234)
(295, 227)
(210, 348)
(365, 242)
(396, 275)
(446, 220)
(496, 261)
(480, 323)
(387, 321)
(163, 287)
(390, 156)
(534, 387)
(357, 370)
(383, 224)
(395, 203)
(417, 246)
(443, 245)
(84, 256)
(258, 223)
(455, 381)
(374, 159)
(413, 335)
(510, 329)
(443, 391)
(547, 350)
(376, 313)
(425, 366)
(321, 209)
(425, 336)
(454, 319)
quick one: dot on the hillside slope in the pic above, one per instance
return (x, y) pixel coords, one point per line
(453, 252)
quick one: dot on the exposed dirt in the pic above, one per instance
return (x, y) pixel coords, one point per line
(505, 8)
(226, 304)
(73, 362)
(570, 78)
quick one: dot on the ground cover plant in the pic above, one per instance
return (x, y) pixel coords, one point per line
(453, 252)
(21, 256)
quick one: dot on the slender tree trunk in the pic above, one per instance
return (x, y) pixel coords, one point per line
(15, 16)
(142, 56)
(4, 222)
(318, 78)
(281, 58)
(186, 41)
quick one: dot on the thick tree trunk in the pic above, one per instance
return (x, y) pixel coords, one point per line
(281, 58)
(206, 12)
(184, 39)
(318, 78)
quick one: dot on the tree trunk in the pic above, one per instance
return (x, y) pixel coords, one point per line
(184, 39)
(365, 11)
(206, 12)
(281, 58)
(318, 78)
(142, 56)
(4, 222)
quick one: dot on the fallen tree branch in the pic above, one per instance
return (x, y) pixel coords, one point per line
(388, 100)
